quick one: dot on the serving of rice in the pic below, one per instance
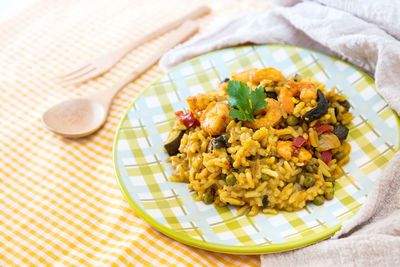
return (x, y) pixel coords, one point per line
(281, 161)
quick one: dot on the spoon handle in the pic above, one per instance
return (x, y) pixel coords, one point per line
(179, 35)
(194, 14)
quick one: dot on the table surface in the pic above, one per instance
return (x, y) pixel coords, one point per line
(60, 203)
(10, 8)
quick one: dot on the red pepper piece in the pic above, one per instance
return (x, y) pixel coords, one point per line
(326, 156)
(178, 114)
(323, 128)
(187, 119)
(299, 141)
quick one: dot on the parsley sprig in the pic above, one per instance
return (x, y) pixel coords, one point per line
(243, 101)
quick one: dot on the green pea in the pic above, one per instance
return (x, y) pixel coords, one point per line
(292, 120)
(222, 176)
(207, 197)
(265, 177)
(309, 181)
(330, 179)
(230, 180)
(339, 155)
(311, 168)
(329, 193)
(318, 200)
(293, 179)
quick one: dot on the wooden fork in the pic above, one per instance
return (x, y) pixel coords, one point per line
(104, 62)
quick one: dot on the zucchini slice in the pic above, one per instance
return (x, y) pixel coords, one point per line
(173, 142)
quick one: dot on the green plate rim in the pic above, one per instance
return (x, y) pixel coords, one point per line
(246, 250)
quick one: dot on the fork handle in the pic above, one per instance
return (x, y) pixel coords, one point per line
(181, 34)
(195, 13)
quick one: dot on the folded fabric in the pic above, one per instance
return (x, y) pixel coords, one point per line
(363, 33)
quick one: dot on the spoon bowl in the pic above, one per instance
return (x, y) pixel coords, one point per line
(75, 118)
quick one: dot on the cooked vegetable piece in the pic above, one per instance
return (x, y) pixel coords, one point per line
(341, 131)
(230, 180)
(328, 141)
(329, 193)
(345, 104)
(318, 200)
(187, 119)
(292, 120)
(218, 142)
(208, 197)
(272, 95)
(330, 180)
(223, 140)
(293, 179)
(265, 177)
(226, 80)
(326, 156)
(320, 110)
(323, 128)
(309, 181)
(299, 141)
(339, 155)
(173, 142)
(265, 201)
(311, 168)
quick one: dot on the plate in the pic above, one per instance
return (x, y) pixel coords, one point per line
(170, 207)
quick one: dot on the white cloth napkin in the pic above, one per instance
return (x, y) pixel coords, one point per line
(365, 33)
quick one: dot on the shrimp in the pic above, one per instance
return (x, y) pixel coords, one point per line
(198, 103)
(257, 75)
(306, 90)
(243, 76)
(304, 155)
(285, 149)
(266, 74)
(273, 115)
(215, 118)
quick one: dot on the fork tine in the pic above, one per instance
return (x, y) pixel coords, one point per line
(81, 77)
(85, 73)
(74, 70)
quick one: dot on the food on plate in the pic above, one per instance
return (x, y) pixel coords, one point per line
(262, 142)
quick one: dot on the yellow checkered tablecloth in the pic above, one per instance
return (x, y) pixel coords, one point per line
(60, 203)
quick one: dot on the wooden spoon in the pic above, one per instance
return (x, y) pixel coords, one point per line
(83, 116)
